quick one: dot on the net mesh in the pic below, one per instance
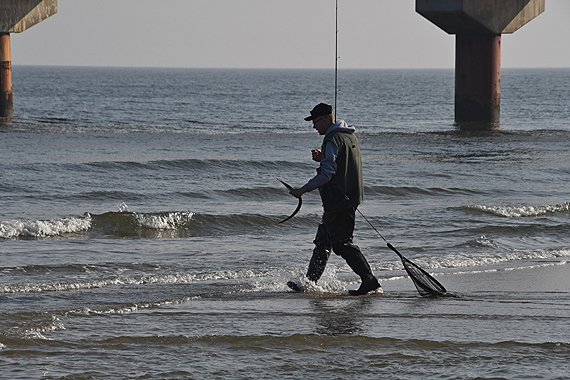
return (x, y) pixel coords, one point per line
(424, 282)
(426, 285)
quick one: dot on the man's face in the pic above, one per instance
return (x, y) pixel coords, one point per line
(320, 125)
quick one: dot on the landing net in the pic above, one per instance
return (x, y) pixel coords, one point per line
(426, 285)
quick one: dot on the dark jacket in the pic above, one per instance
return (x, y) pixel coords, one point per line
(345, 189)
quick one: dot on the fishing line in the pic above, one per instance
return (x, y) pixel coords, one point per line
(424, 282)
(336, 59)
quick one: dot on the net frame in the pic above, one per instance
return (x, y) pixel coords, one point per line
(426, 285)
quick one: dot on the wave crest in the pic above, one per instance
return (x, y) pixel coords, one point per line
(522, 211)
(43, 228)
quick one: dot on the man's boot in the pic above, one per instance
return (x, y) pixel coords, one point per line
(358, 263)
(318, 263)
(316, 269)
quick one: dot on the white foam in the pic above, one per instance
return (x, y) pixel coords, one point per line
(43, 228)
(169, 221)
(131, 308)
(483, 260)
(522, 211)
(37, 332)
(328, 283)
(174, 278)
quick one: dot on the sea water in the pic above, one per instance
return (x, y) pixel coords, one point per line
(139, 234)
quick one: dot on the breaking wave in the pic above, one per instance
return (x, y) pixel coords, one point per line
(522, 211)
(123, 223)
(12, 229)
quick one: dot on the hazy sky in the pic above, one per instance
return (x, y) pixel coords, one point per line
(269, 34)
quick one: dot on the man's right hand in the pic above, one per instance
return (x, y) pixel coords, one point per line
(316, 155)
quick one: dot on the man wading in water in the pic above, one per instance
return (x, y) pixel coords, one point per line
(339, 180)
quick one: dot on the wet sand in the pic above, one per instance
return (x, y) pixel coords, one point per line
(548, 277)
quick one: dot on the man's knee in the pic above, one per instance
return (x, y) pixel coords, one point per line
(345, 248)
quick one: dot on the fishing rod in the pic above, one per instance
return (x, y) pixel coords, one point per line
(336, 58)
(424, 282)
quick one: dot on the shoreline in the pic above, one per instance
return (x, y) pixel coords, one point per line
(551, 277)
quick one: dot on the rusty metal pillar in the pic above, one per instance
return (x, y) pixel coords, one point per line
(477, 79)
(478, 26)
(6, 99)
(15, 17)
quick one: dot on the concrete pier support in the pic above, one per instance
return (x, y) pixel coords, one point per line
(6, 99)
(478, 26)
(478, 79)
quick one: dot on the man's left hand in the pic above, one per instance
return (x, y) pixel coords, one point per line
(297, 193)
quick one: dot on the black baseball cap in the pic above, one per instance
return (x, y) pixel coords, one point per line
(320, 109)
